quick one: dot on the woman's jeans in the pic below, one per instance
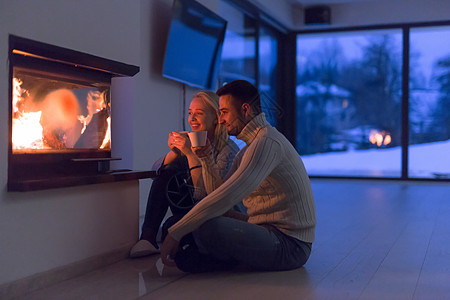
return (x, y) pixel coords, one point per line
(157, 203)
(262, 247)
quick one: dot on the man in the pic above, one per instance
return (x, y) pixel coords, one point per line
(270, 178)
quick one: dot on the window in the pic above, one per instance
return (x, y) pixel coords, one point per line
(268, 51)
(429, 102)
(352, 87)
(349, 91)
(250, 53)
(238, 54)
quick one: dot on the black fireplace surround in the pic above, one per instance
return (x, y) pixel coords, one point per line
(67, 155)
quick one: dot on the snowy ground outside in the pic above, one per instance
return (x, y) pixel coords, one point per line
(430, 160)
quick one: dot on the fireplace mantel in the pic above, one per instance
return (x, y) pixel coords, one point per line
(69, 181)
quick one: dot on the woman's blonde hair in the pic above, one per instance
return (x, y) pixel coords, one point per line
(220, 133)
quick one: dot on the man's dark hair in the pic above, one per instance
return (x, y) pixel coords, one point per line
(244, 92)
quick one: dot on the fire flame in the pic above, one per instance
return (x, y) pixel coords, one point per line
(380, 138)
(107, 139)
(27, 130)
(17, 94)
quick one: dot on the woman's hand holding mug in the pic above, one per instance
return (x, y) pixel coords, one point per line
(180, 141)
(170, 143)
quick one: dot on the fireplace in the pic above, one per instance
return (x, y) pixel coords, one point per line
(60, 117)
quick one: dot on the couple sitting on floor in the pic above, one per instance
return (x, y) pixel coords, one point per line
(267, 176)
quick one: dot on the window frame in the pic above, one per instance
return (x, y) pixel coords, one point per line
(405, 28)
(281, 33)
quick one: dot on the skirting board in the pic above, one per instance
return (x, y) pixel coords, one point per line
(45, 279)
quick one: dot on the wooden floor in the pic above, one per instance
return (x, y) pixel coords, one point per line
(374, 240)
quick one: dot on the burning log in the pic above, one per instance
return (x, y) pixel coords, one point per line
(52, 139)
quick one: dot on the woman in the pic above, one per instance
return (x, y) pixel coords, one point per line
(203, 116)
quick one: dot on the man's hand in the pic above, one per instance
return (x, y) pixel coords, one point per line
(168, 250)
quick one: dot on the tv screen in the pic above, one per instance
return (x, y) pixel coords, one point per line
(194, 44)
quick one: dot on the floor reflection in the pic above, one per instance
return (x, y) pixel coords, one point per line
(127, 279)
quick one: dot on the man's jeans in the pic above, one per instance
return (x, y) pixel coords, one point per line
(262, 247)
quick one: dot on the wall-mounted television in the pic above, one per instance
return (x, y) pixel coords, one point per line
(194, 44)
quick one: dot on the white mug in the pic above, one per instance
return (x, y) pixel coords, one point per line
(198, 138)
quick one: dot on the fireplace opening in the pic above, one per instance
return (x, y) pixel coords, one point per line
(60, 114)
(50, 114)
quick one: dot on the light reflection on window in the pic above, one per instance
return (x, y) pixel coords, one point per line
(238, 53)
(268, 47)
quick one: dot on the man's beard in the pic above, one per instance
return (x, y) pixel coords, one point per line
(236, 130)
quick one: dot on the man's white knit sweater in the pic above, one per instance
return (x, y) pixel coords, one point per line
(268, 176)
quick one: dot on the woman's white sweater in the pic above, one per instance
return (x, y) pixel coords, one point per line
(268, 176)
